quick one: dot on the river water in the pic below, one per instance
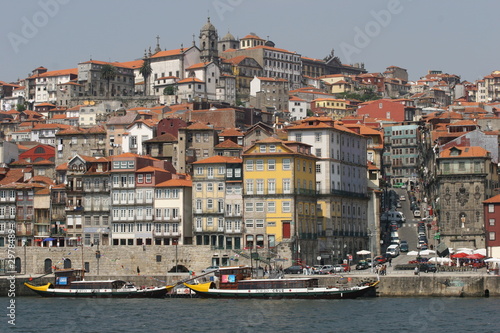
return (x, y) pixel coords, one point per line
(36, 314)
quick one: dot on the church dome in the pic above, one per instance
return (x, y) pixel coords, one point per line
(228, 36)
(208, 26)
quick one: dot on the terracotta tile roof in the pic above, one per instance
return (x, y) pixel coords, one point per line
(464, 152)
(219, 159)
(198, 65)
(176, 183)
(465, 122)
(372, 166)
(167, 78)
(168, 53)
(132, 64)
(167, 137)
(43, 162)
(251, 36)
(13, 175)
(43, 104)
(231, 132)
(83, 131)
(148, 122)
(62, 167)
(50, 126)
(190, 80)
(495, 199)
(59, 116)
(150, 169)
(229, 144)
(43, 191)
(296, 99)
(124, 155)
(69, 83)
(116, 64)
(20, 161)
(237, 60)
(271, 79)
(62, 72)
(41, 179)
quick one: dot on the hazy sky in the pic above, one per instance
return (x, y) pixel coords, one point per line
(455, 36)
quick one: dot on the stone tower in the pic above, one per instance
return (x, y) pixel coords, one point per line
(228, 42)
(208, 42)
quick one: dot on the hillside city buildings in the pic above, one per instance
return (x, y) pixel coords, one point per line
(245, 147)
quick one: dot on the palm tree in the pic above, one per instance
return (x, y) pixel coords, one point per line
(108, 73)
(146, 71)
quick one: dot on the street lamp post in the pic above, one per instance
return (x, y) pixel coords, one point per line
(175, 243)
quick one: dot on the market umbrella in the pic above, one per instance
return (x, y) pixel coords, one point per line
(492, 260)
(363, 252)
(440, 260)
(459, 255)
(412, 253)
(480, 251)
(49, 239)
(475, 256)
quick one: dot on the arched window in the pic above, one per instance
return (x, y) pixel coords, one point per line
(48, 266)
(67, 263)
(39, 150)
(18, 265)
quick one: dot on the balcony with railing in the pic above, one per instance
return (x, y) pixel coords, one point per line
(349, 194)
(168, 218)
(74, 209)
(167, 233)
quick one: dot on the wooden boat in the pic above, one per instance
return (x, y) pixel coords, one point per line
(235, 282)
(70, 283)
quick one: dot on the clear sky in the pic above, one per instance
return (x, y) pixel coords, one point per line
(455, 36)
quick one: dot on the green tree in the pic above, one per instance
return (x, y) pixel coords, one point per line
(170, 90)
(108, 73)
(146, 71)
(20, 107)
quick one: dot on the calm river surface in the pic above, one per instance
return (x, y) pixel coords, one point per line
(34, 314)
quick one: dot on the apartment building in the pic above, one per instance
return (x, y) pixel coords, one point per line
(218, 203)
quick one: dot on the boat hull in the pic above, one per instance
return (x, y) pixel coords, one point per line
(47, 291)
(300, 293)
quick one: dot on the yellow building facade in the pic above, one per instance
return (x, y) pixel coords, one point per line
(279, 197)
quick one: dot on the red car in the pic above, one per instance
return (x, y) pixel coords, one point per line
(379, 259)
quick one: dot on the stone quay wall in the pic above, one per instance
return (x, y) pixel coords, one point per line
(404, 286)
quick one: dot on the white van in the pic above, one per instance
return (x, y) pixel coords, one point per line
(393, 250)
(396, 216)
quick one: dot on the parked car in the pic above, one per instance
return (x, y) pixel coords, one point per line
(395, 240)
(293, 270)
(337, 269)
(426, 268)
(402, 198)
(324, 269)
(393, 250)
(398, 205)
(210, 269)
(362, 265)
(416, 213)
(379, 260)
